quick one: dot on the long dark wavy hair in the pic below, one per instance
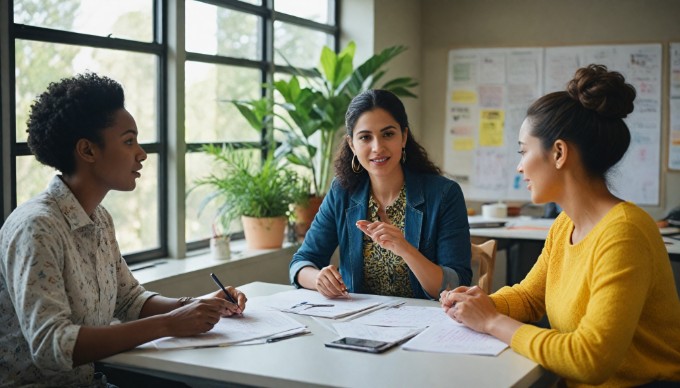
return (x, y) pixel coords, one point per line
(416, 156)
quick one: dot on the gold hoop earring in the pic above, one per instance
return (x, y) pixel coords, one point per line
(356, 168)
(403, 155)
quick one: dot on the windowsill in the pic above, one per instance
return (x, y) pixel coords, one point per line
(201, 260)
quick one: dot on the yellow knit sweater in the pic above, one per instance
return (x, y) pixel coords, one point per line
(611, 301)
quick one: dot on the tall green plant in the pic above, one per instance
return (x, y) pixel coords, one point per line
(321, 106)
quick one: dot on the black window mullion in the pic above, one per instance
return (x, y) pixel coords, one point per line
(22, 31)
(222, 60)
(161, 39)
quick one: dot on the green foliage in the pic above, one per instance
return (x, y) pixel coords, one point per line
(244, 187)
(321, 107)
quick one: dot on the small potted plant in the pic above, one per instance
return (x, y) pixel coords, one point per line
(259, 192)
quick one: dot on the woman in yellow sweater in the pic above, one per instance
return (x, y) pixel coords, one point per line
(604, 278)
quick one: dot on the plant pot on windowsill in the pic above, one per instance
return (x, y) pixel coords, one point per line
(258, 191)
(304, 215)
(264, 232)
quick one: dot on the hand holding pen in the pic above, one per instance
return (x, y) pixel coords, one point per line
(232, 295)
(330, 284)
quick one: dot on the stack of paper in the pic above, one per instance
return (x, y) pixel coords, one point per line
(377, 333)
(255, 323)
(414, 316)
(453, 337)
(312, 303)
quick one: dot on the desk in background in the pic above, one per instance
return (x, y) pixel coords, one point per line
(304, 361)
(524, 238)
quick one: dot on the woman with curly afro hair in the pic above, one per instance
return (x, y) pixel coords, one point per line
(62, 277)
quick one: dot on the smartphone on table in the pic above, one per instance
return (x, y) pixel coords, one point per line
(360, 344)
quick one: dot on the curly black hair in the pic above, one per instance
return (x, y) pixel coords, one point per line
(416, 156)
(74, 108)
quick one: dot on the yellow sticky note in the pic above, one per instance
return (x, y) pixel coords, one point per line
(464, 97)
(491, 128)
(464, 144)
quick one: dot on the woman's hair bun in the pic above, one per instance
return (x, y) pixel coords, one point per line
(605, 92)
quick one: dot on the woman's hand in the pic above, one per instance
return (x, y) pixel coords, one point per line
(386, 235)
(444, 297)
(329, 283)
(470, 306)
(232, 308)
(197, 317)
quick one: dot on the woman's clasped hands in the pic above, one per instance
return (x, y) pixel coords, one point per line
(470, 306)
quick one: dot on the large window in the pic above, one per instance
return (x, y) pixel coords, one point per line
(231, 48)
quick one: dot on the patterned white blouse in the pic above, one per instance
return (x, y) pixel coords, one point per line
(59, 270)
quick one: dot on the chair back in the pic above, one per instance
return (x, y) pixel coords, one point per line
(485, 254)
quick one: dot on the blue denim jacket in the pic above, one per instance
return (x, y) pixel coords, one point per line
(435, 222)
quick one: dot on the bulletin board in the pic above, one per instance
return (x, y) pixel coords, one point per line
(674, 135)
(489, 90)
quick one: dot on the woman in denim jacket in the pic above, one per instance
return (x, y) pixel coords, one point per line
(401, 226)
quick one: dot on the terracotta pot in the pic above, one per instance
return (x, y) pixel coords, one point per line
(304, 215)
(264, 233)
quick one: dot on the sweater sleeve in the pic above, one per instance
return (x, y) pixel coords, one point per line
(525, 301)
(618, 281)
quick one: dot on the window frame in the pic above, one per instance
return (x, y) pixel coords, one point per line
(11, 149)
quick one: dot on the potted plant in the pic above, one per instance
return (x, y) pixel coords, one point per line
(319, 109)
(259, 193)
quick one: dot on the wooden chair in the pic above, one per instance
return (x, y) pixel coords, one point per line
(485, 253)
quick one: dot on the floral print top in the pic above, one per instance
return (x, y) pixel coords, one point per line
(384, 272)
(59, 270)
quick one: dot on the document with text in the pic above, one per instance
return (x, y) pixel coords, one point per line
(255, 323)
(312, 303)
(453, 337)
(414, 316)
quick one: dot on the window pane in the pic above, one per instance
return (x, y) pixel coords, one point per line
(39, 63)
(209, 114)
(316, 10)
(199, 165)
(124, 19)
(300, 46)
(135, 213)
(220, 31)
(32, 177)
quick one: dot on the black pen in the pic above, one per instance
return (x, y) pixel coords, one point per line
(214, 277)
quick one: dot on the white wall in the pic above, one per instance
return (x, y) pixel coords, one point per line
(448, 24)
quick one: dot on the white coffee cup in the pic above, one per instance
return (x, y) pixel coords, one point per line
(495, 210)
(219, 248)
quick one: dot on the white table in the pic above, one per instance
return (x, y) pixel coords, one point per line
(304, 361)
(520, 229)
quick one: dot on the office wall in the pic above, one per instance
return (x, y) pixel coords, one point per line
(447, 24)
(377, 24)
